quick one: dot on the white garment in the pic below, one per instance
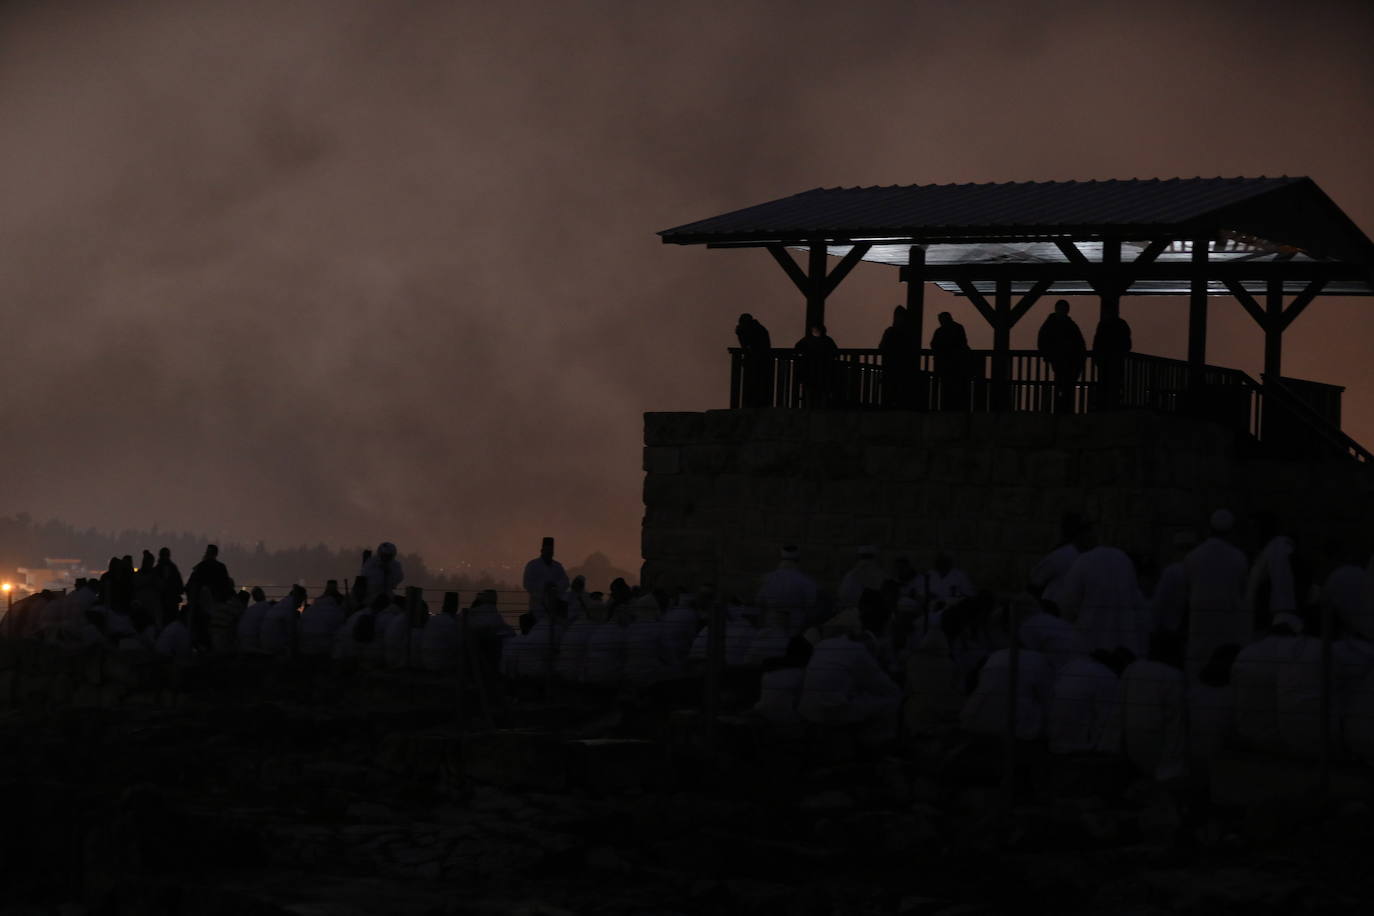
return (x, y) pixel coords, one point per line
(381, 581)
(1211, 720)
(985, 711)
(1060, 641)
(1344, 592)
(738, 635)
(1152, 729)
(175, 642)
(1050, 571)
(604, 656)
(1216, 573)
(1273, 570)
(250, 626)
(779, 691)
(943, 589)
(1170, 600)
(1354, 678)
(1083, 711)
(320, 623)
(789, 591)
(845, 684)
(278, 628)
(572, 650)
(644, 661)
(1101, 596)
(1255, 683)
(399, 639)
(538, 576)
(867, 574)
(440, 642)
(532, 655)
(678, 629)
(1298, 700)
(767, 642)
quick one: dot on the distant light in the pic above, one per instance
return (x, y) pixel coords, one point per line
(6, 587)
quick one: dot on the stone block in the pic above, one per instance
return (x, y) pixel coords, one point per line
(661, 459)
(1007, 465)
(709, 459)
(882, 461)
(672, 428)
(830, 530)
(836, 460)
(873, 530)
(1048, 468)
(676, 491)
(835, 426)
(781, 424)
(943, 427)
(913, 464)
(762, 458)
(892, 427)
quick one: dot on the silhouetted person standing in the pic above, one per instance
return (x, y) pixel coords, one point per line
(1061, 345)
(210, 575)
(170, 585)
(1111, 343)
(540, 573)
(901, 352)
(949, 344)
(817, 355)
(757, 375)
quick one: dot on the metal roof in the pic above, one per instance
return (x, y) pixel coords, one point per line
(1286, 211)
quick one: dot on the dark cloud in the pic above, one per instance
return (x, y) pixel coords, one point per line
(343, 271)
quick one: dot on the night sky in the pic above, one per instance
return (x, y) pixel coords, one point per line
(349, 271)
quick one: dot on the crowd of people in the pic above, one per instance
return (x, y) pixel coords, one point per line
(1059, 342)
(1097, 656)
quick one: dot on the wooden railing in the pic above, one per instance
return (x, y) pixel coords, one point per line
(855, 379)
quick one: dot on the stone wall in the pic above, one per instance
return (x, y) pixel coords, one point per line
(724, 489)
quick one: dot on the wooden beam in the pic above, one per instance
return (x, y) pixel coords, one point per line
(1250, 271)
(789, 267)
(914, 274)
(815, 299)
(981, 304)
(1300, 302)
(1031, 297)
(1197, 315)
(1273, 330)
(1248, 302)
(1001, 347)
(1151, 251)
(842, 269)
(1073, 254)
(1109, 290)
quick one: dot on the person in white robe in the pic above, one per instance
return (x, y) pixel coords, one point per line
(1153, 711)
(1255, 682)
(603, 659)
(441, 641)
(845, 685)
(277, 634)
(1060, 641)
(644, 659)
(780, 688)
(1085, 707)
(174, 641)
(540, 574)
(250, 623)
(985, 711)
(1212, 708)
(1346, 592)
(1271, 587)
(867, 573)
(320, 623)
(789, 590)
(739, 633)
(678, 628)
(382, 571)
(1169, 605)
(941, 585)
(1101, 596)
(1075, 536)
(1216, 572)
(1353, 674)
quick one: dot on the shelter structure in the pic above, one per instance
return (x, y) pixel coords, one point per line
(1274, 245)
(990, 477)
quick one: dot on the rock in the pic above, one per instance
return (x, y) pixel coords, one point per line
(370, 811)
(604, 858)
(832, 800)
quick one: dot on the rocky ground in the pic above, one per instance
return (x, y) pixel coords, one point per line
(249, 789)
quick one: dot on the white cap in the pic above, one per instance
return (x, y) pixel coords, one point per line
(1222, 521)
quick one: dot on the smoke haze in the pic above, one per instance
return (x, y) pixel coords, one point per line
(350, 271)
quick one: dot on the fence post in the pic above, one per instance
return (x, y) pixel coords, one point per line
(1013, 673)
(414, 604)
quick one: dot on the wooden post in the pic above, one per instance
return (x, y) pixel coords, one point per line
(1109, 289)
(815, 293)
(414, 600)
(1197, 316)
(1273, 329)
(916, 291)
(1001, 346)
(1328, 621)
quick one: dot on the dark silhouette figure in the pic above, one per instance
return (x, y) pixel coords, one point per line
(209, 574)
(1111, 343)
(1061, 345)
(901, 353)
(170, 585)
(817, 357)
(949, 344)
(757, 375)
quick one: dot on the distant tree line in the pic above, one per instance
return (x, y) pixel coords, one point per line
(26, 542)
